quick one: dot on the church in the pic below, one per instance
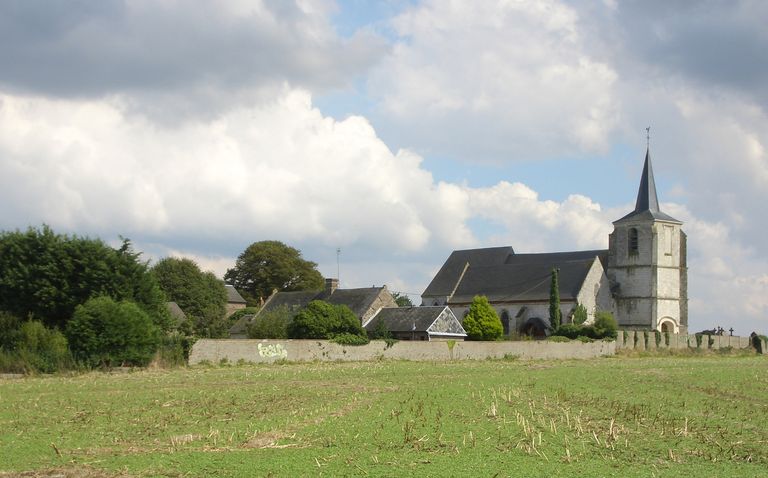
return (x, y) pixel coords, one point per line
(641, 278)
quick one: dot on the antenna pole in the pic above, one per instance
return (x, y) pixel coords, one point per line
(338, 253)
(648, 137)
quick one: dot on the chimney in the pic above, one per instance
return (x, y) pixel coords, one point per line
(331, 285)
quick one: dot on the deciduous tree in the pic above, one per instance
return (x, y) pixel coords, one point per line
(268, 265)
(46, 275)
(201, 295)
(321, 320)
(104, 332)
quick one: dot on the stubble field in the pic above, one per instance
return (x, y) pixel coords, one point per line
(621, 416)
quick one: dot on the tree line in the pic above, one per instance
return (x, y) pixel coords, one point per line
(69, 301)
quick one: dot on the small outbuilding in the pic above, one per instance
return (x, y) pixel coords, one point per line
(418, 323)
(235, 301)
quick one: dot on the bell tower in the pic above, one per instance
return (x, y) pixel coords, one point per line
(647, 264)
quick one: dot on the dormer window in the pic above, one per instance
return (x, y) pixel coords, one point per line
(632, 246)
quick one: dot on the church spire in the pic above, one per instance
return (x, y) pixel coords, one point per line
(647, 204)
(647, 200)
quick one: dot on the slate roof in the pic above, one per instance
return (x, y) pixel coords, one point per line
(176, 312)
(358, 300)
(446, 280)
(518, 277)
(292, 300)
(647, 204)
(233, 296)
(413, 319)
(241, 326)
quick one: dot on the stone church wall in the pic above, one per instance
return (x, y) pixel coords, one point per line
(636, 339)
(266, 351)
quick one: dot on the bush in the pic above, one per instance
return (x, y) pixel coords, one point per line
(103, 332)
(45, 350)
(380, 332)
(558, 338)
(584, 339)
(232, 319)
(174, 349)
(9, 330)
(482, 322)
(580, 315)
(321, 320)
(605, 325)
(28, 347)
(272, 324)
(570, 331)
(350, 339)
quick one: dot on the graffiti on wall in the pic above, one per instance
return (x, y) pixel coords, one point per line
(272, 351)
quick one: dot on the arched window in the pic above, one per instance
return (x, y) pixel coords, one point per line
(632, 245)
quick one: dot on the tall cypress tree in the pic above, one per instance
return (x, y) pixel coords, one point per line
(555, 315)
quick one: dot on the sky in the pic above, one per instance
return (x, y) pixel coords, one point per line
(395, 131)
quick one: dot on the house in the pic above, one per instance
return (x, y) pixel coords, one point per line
(363, 302)
(641, 278)
(418, 323)
(235, 301)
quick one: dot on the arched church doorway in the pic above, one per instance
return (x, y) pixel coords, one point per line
(667, 324)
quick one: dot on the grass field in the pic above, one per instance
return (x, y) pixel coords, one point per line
(623, 416)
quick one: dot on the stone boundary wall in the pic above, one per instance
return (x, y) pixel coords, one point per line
(265, 351)
(626, 340)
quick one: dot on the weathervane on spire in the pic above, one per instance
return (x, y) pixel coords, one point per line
(648, 137)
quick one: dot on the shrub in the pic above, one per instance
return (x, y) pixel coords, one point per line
(698, 341)
(379, 331)
(107, 333)
(657, 337)
(271, 324)
(28, 347)
(558, 338)
(174, 349)
(580, 315)
(645, 339)
(666, 338)
(45, 350)
(555, 314)
(605, 325)
(232, 319)
(350, 339)
(585, 340)
(321, 320)
(570, 331)
(482, 322)
(9, 330)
